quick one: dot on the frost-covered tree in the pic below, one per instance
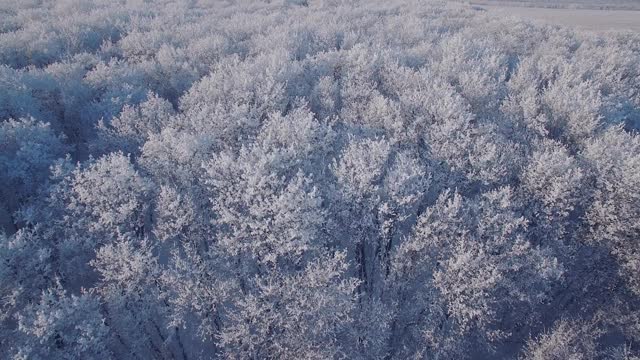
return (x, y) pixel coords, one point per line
(27, 149)
(108, 195)
(135, 124)
(106, 198)
(471, 259)
(380, 190)
(62, 326)
(131, 295)
(553, 184)
(266, 207)
(26, 269)
(272, 322)
(613, 215)
(566, 340)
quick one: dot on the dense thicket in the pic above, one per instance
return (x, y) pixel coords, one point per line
(315, 179)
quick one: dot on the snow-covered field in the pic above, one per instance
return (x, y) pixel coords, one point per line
(588, 19)
(561, 4)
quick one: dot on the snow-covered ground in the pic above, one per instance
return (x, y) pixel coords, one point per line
(588, 19)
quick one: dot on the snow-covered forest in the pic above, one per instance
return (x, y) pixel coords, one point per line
(315, 179)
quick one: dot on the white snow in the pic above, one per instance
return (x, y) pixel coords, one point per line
(586, 19)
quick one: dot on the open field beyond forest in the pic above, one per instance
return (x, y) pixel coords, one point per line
(587, 19)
